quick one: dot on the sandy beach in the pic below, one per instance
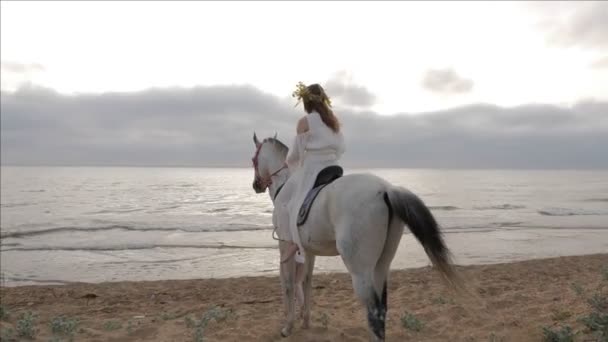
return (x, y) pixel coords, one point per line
(509, 302)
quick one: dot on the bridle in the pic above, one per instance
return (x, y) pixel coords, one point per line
(264, 182)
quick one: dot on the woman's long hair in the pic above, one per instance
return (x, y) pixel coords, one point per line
(320, 106)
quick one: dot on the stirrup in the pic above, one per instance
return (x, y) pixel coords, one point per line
(299, 257)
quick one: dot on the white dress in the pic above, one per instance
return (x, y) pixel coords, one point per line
(311, 152)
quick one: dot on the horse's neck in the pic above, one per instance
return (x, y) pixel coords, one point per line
(279, 180)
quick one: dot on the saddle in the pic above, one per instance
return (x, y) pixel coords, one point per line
(325, 176)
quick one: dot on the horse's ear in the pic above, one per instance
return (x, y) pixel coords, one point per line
(255, 139)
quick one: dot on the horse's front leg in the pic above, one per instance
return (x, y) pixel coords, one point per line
(287, 271)
(310, 265)
(300, 273)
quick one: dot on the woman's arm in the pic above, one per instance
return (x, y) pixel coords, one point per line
(340, 151)
(302, 125)
(299, 143)
(293, 158)
(341, 146)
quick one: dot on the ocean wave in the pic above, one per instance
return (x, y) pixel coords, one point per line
(462, 230)
(569, 212)
(508, 224)
(53, 230)
(596, 200)
(163, 261)
(565, 227)
(132, 247)
(162, 209)
(15, 205)
(490, 226)
(194, 202)
(502, 207)
(443, 207)
(114, 211)
(175, 206)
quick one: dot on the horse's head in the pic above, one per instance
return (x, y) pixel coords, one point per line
(268, 160)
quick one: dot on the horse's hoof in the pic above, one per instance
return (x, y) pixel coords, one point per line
(285, 332)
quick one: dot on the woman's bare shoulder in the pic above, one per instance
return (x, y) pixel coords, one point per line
(302, 125)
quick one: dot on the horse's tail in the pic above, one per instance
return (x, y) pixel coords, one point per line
(417, 216)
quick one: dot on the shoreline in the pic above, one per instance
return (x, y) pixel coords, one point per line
(317, 272)
(512, 301)
(162, 263)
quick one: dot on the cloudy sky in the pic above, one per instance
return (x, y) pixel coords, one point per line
(433, 84)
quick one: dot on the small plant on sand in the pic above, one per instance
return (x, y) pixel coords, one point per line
(410, 322)
(112, 325)
(560, 315)
(189, 322)
(578, 289)
(25, 325)
(439, 301)
(7, 335)
(64, 326)
(198, 334)
(167, 316)
(216, 313)
(598, 302)
(597, 322)
(130, 327)
(4, 313)
(495, 338)
(564, 334)
(605, 273)
(324, 319)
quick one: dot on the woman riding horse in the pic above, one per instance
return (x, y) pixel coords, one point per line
(319, 143)
(360, 216)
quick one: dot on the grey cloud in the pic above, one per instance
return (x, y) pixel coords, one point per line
(196, 126)
(600, 63)
(212, 126)
(446, 81)
(341, 87)
(21, 68)
(577, 23)
(485, 136)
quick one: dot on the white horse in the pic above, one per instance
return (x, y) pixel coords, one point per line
(360, 217)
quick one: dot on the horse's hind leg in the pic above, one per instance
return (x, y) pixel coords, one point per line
(382, 269)
(375, 304)
(361, 255)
